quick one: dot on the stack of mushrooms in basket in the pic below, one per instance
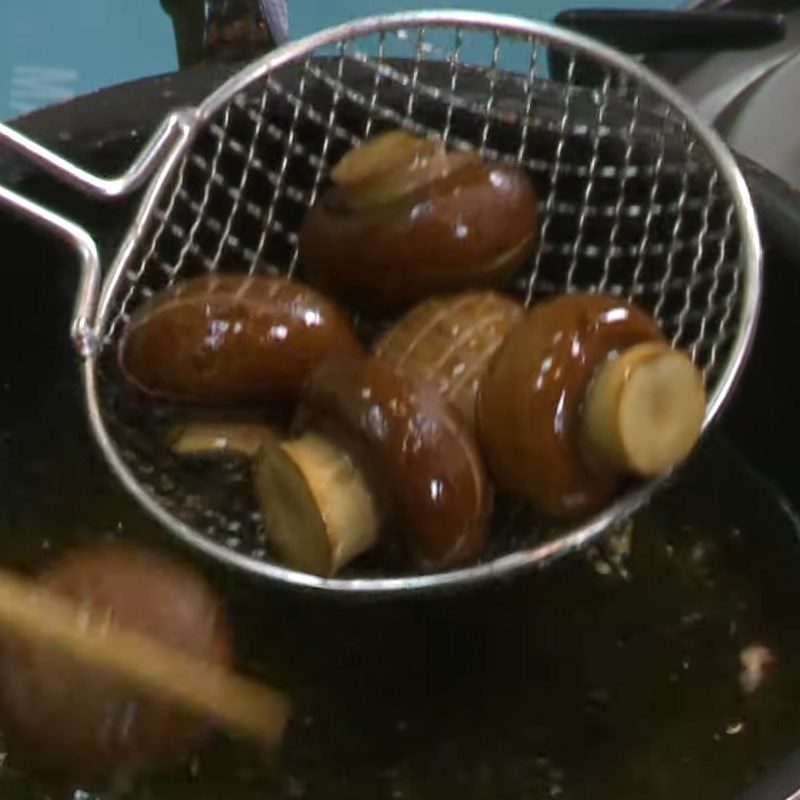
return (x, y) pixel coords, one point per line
(396, 443)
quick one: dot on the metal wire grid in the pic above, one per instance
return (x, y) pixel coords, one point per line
(630, 200)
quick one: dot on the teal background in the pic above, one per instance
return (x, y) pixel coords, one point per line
(51, 50)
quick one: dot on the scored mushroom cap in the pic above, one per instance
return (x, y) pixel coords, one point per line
(422, 463)
(431, 223)
(232, 339)
(449, 341)
(531, 399)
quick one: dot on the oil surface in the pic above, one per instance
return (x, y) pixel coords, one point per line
(614, 674)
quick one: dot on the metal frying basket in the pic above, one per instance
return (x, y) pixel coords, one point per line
(638, 198)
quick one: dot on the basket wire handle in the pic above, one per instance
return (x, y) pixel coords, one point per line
(176, 127)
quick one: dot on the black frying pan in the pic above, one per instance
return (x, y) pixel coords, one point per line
(608, 676)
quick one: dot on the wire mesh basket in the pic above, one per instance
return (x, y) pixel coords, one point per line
(638, 198)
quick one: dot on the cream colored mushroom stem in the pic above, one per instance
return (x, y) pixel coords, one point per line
(317, 507)
(644, 411)
(392, 164)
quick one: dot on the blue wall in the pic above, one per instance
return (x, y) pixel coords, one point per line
(51, 50)
(308, 15)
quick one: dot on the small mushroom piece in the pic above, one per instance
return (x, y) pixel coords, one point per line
(584, 391)
(86, 721)
(406, 218)
(449, 341)
(217, 437)
(376, 453)
(232, 339)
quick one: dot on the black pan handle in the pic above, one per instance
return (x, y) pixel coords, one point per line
(657, 31)
(226, 30)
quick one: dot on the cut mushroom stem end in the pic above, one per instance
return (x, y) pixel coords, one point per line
(316, 505)
(644, 411)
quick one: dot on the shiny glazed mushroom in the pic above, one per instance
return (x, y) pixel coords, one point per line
(585, 390)
(232, 339)
(374, 452)
(84, 721)
(449, 341)
(406, 218)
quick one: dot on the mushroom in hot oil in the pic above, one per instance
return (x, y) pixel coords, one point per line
(86, 721)
(584, 391)
(232, 340)
(407, 218)
(374, 454)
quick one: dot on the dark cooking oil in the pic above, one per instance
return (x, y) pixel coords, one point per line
(664, 664)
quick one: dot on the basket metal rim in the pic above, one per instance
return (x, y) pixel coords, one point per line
(512, 563)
